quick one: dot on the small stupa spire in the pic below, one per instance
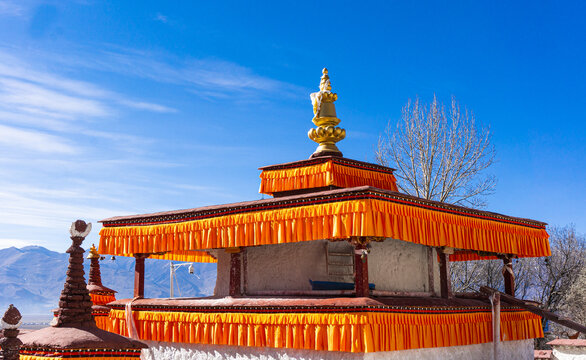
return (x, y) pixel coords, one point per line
(327, 133)
(99, 294)
(73, 332)
(95, 277)
(75, 305)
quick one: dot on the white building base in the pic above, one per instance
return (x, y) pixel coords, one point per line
(514, 350)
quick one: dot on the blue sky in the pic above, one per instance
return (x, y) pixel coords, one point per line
(114, 108)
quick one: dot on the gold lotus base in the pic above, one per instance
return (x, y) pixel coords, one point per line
(327, 137)
(329, 149)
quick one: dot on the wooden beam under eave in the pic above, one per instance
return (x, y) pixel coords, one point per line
(534, 309)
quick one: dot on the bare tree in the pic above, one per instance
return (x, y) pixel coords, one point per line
(574, 305)
(555, 275)
(439, 156)
(469, 276)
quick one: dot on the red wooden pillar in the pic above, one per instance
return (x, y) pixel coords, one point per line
(139, 274)
(244, 271)
(235, 271)
(361, 270)
(444, 265)
(509, 276)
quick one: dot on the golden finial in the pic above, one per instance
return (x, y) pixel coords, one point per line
(325, 84)
(327, 134)
(93, 253)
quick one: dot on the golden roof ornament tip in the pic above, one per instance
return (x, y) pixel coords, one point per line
(327, 134)
(93, 253)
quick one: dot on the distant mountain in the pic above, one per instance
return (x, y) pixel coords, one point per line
(32, 278)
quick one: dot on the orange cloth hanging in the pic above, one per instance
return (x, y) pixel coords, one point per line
(396, 219)
(101, 321)
(368, 331)
(99, 299)
(334, 172)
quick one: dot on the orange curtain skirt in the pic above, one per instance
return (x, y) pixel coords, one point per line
(337, 220)
(98, 299)
(325, 174)
(350, 332)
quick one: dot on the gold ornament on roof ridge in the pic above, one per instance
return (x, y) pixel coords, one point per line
(327, 134)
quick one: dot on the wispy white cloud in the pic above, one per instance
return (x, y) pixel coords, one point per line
(11, 8)
(211, 77)
(32, 98)
(17, 68)
(17, 139)
(18, 209)
(141, 105)
(27, 88)
(18, 243)
(162, 18)
(66, 153)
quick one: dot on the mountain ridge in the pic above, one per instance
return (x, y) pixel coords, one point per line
(32, 278)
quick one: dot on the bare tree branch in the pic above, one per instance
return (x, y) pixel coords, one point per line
(439, 156)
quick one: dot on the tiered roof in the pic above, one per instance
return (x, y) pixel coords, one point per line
(325, 197)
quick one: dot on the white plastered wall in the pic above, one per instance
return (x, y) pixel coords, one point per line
(509, 350)
(395, 265)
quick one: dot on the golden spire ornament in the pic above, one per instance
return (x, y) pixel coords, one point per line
(327, 134)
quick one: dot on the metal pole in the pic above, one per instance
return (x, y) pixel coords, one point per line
(495, 299)
(171, 275)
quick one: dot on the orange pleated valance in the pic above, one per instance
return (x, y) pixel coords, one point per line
(188, 256)
(466, 255)
(99, 299)
(102, 321)
(340, 215)
(320, 173)
(351, 332)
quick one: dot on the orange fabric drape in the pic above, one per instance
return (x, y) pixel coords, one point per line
(335, 220)
(102, 321)
(98, 299)
(351, 332)
(188, 256)
(328, 173)
(470, 256)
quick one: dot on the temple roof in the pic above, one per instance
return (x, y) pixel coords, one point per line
(325, 197)
(333, 214)
(301, 199)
